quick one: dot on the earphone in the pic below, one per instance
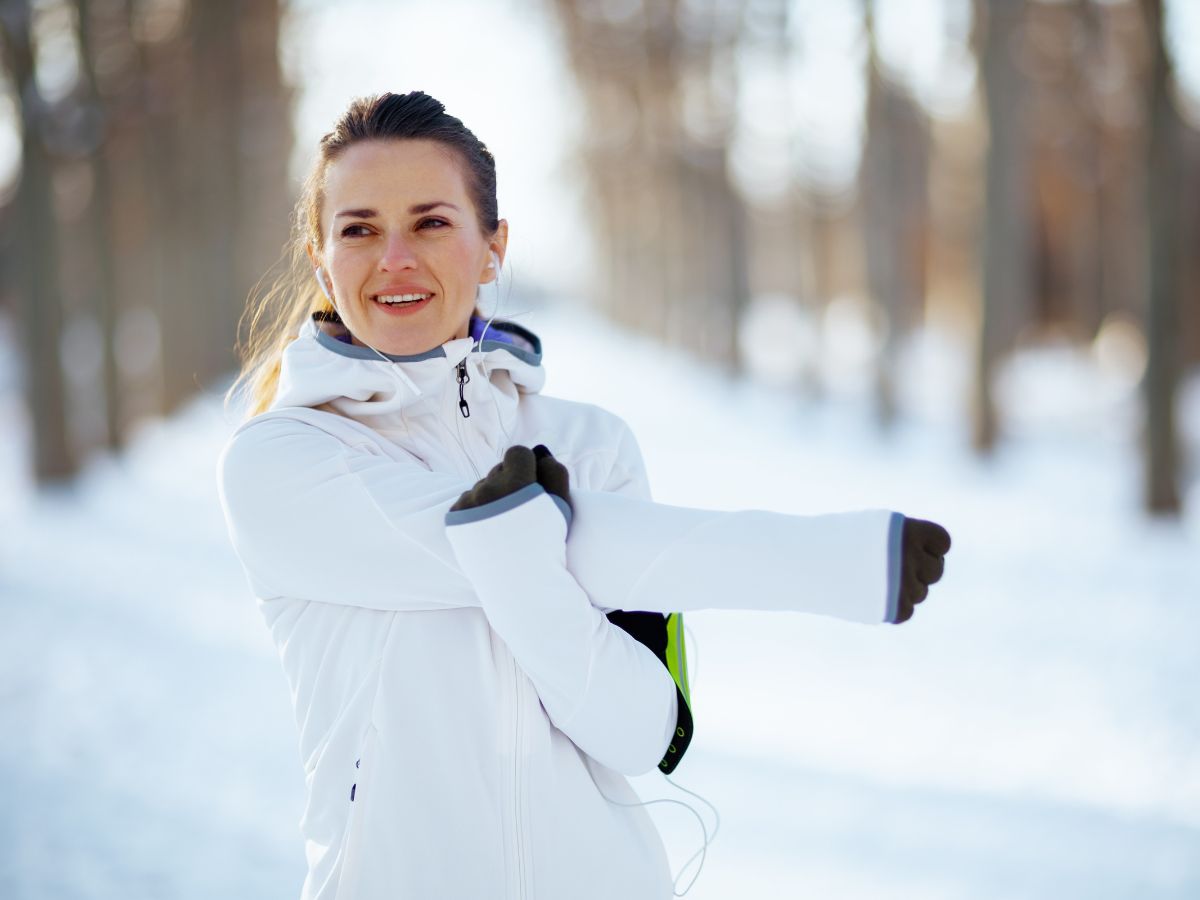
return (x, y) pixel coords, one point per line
(320, 273)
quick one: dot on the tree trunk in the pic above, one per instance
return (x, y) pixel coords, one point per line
(1162, 310)
(1006, 249)
(100, 222)
(895, 215)
(36, 248)
(210, 148)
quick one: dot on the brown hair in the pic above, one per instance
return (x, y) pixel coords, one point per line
(273, 315)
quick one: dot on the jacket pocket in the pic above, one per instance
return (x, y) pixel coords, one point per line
(358, 795)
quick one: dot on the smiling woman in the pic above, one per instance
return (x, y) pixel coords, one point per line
(401, 205)
(404, 252)
(482, 637)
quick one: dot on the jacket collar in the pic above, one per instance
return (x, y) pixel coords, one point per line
(320, 369)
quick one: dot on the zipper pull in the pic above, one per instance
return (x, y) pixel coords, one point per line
(463, 378)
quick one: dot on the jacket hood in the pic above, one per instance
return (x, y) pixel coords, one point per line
(321, 368)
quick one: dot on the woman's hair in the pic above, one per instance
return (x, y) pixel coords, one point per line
(275, 313)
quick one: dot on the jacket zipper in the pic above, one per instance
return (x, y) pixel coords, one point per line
(455, 432)
(358, 795)
(463, 378)
(517, 758)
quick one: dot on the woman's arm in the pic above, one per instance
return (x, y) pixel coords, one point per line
(608, 685)
(605, 690)
(315, 521)
(313, 518)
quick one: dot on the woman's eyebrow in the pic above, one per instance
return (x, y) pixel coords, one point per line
(414, 210)
(419, 208)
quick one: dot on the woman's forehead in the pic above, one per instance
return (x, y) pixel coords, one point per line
(385, 174)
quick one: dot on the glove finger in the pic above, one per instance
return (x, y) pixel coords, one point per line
(553, 476)
(520, 465)
(541, 451)
(905, 612)
(932, 537)
(914, 589)
(930, 567)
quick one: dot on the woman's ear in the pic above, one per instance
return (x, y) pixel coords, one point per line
(319, 273)
(496, 248)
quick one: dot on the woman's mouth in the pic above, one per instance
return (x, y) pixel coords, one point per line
(401, 304)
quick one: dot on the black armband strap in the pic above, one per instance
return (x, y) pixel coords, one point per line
(663, 635)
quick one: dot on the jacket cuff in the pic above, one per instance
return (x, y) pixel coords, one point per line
(895, 534)
(504, 504)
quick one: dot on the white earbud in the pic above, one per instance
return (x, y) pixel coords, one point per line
(320, 273)
(495, 263)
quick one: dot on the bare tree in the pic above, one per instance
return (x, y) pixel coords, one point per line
(1162, 309)
(1007, 282)
(37, 251)
(100, 213)
(672, 228)
(894, 182)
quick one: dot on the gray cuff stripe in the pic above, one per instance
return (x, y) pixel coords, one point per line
(563, 507)
(895, 533)
(496, 507)
(503, 505)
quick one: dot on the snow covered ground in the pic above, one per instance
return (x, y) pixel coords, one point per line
(1032, 733)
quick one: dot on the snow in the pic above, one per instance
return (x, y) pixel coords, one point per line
(1031, 733)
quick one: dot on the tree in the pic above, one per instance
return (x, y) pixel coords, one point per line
(1007, 283)
(894, 181)
(36, 249)
(671, 226)
(1162, 307)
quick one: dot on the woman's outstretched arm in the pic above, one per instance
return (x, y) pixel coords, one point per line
(315, 518)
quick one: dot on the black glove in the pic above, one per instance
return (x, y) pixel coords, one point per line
(551, 474)
(923, 546)
(519, 468)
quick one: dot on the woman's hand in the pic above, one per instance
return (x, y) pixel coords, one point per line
(519, 468)
(923, 546)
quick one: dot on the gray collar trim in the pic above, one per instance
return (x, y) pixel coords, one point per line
(329, 342)
(533, 356)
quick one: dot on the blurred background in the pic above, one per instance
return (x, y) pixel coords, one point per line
(937, 255)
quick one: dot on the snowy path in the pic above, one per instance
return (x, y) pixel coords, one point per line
(1031, 734)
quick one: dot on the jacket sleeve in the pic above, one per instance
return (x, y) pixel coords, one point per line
(662, 634)
(313, 519)
(601, 687)
(632, 554)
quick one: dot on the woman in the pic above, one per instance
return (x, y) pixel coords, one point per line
(438, 590)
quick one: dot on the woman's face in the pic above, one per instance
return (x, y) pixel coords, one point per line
(402, 244)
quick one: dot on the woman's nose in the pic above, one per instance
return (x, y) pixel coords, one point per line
(397, 254)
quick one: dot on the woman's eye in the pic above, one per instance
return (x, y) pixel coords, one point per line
(433, 222)
(354, 231)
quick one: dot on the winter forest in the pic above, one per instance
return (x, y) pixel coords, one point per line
(935, 255)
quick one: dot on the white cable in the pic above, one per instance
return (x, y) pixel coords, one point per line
(487, 376)
(703, 851)
(394, 368)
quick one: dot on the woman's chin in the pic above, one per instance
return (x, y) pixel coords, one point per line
(405, 332)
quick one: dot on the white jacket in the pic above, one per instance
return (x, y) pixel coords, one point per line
(466, 710)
